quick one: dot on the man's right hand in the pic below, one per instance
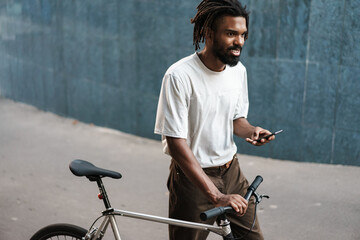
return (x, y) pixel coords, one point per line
(237, 202)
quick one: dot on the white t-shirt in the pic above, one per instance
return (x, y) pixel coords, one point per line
(199, 105)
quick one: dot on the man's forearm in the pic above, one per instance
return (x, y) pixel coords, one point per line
(242, 128)
(185, 158)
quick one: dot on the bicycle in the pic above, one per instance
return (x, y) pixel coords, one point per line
(82, 168)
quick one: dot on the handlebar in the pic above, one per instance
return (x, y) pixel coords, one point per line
(221, 210)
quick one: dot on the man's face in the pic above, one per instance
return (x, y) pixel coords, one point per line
(229, 38)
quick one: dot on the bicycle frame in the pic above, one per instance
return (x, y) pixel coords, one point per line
(110, 214)
(223, 229)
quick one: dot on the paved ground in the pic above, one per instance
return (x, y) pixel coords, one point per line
(308, 201)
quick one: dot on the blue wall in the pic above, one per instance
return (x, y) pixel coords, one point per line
(102, 62)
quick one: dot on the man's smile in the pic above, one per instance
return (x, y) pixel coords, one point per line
(235, 52)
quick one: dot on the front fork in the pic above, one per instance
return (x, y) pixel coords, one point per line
(225, 225)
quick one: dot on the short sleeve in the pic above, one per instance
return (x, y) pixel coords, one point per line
(242, 106)
(172, 111)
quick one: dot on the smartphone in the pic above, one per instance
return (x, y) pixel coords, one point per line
(267, 136)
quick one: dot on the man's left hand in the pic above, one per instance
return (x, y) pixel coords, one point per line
(258, 134)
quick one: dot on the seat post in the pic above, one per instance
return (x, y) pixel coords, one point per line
(104, 196)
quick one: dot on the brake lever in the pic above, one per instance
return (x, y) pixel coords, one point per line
(258, 198)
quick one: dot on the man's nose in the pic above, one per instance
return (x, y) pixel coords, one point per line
(240, 40)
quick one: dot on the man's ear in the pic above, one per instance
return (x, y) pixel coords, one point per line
(209, 37)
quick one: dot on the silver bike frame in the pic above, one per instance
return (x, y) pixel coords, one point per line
(110, 219)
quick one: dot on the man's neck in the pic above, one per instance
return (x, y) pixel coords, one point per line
(211, 61)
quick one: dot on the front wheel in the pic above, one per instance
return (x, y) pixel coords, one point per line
(60, 231)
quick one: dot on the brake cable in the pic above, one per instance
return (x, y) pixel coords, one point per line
(258, 199)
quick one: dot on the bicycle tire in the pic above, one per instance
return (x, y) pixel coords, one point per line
(60, 231)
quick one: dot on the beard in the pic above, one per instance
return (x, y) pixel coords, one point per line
(225, 55)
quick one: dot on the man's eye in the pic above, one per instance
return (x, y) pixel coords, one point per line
(230, 34)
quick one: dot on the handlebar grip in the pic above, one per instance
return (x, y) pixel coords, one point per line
(252, 188)
(214, 212)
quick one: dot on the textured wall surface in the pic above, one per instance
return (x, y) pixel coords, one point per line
(102, 62)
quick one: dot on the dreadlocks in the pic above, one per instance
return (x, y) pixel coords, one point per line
(209, 11)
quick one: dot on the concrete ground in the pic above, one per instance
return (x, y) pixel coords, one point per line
(307, 201)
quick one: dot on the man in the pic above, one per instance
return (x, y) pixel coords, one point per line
(203, 102)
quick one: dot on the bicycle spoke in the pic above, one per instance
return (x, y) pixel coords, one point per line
(63, 237)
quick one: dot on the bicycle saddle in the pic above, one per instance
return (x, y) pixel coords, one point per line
(82, 168)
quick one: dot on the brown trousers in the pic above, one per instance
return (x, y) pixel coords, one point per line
(186, 202)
